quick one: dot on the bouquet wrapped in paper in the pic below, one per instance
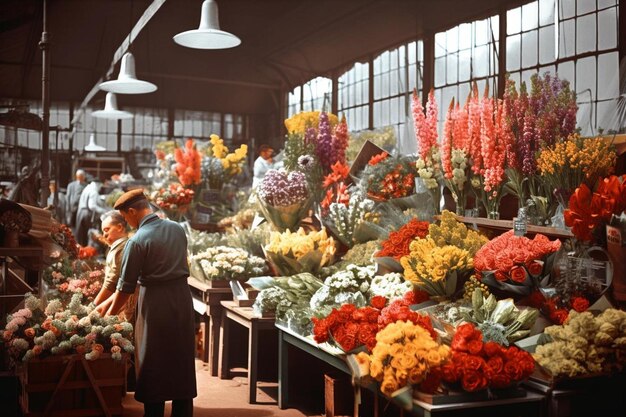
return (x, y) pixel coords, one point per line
(284, 198)
(516, 264)
(226, 263)
(292, 253)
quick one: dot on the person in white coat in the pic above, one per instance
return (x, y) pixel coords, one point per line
(89, 209)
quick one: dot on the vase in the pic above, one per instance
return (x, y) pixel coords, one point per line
(493, 215)
(11, 239)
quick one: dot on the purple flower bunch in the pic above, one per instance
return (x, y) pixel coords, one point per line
(324, 149)
(281, 189)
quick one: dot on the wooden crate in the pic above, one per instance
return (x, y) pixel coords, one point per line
(70, 385)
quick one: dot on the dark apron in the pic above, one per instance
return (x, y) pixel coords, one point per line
(165, 343)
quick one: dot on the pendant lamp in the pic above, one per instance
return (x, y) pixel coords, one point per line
(127, 82)
(111, 111)
(208, 35)
(92, 146)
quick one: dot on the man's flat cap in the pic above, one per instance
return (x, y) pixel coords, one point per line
(129, 198)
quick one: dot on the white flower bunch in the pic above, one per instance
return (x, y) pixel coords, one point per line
(271, 299)
(427, 172)
(459, 166)
(391, 286)
(351, 285)
(224, 262)
(345, 219)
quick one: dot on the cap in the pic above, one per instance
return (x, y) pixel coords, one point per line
(129, 198)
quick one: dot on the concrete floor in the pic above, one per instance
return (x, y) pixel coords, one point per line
(224, 398)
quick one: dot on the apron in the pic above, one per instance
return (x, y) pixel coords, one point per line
(165, 343)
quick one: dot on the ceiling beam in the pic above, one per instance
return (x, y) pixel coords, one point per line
(211, 80)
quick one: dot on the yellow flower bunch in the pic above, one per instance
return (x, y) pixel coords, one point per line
(300, 122)
(297, 245)
(585, 344)
(428, 265)
(231, 162)
(404, 354)
(566, 165)
(449, 231)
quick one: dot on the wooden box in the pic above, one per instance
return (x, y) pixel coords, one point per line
(338, 396)
(71, 385)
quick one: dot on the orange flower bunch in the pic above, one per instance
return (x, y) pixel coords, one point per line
(335, 186)
(188, 164)
(589, 210)
(397, 244)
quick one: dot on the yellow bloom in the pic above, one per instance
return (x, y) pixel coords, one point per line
(300, 122)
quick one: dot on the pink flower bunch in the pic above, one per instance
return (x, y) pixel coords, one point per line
(495, 136)
(474, 126)
(425, 124)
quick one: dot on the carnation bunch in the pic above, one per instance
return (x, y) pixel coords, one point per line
(476, 364)
(404, 354)
(585, 345)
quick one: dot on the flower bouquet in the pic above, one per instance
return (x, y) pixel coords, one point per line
(284, 198)
(348, 327)
(335, 186)
(361, 254)
(226, 263)
(174, 200)
(397, 244)
(400, 310)
(292, 253)
(516, 264)
(477, 364)
(38, 331)
(351, 286)
(392, 286)
(386, 177)
(405, 354)
(585, 345)
(346, 220)
(499, 321)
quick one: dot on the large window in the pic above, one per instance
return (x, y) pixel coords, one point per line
(464, 54)
(578, 41)
(353, 96)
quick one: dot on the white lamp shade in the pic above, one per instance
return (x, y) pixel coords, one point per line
(127, 82)
(111, 111)
(208, 35)
(92, 146)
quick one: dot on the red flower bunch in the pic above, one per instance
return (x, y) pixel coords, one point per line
(589, 210)
(335, 185)
(189, 162)
(477, 365)
(350, 327)
(173, 197)
(85, 252)
(399, 310)
(513, 258)
(397, 244)
(376, 159)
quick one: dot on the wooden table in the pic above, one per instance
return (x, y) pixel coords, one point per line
(244, 316)
(531, 405)
(211, 317)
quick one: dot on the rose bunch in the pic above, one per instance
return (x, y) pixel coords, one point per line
(173, 197)
(515, 263)
(399, 310)
(86, 252)
(349, 326)
(404, 354)
(397, 244)
(478, 365)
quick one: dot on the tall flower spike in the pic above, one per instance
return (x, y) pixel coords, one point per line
(324, 142)
(446, 141)
(418, 122)
(474, 127)
(340, 142)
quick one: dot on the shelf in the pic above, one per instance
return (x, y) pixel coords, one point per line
(506, 225)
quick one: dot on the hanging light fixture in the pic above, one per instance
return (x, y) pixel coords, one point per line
(111, 111)
(92, 146)
(208, 35)
(127, 82)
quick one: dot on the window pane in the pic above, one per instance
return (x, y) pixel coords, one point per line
(451, 68)
(530, 16)
(566, 39)
(605, 3)
(529, 49)
(586, 79)
(514, 21)
(607, 29)
(585, 6)
(546, 44)
(464, 65)
(608, 76)
(567, 8)
(440, 71)
(586, 33)
(481, 61)
(567, 72)
(440, 44)
(546, 12)
(465, 36)
(513, 52)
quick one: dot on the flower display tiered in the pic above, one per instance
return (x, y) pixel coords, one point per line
(477, 365)
(39, 330)
(516, 264)
(284, 198)
(405, 354)
(585, 345)
(292, 253)
(227, 263)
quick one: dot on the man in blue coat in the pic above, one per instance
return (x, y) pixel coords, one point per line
(156, 259)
